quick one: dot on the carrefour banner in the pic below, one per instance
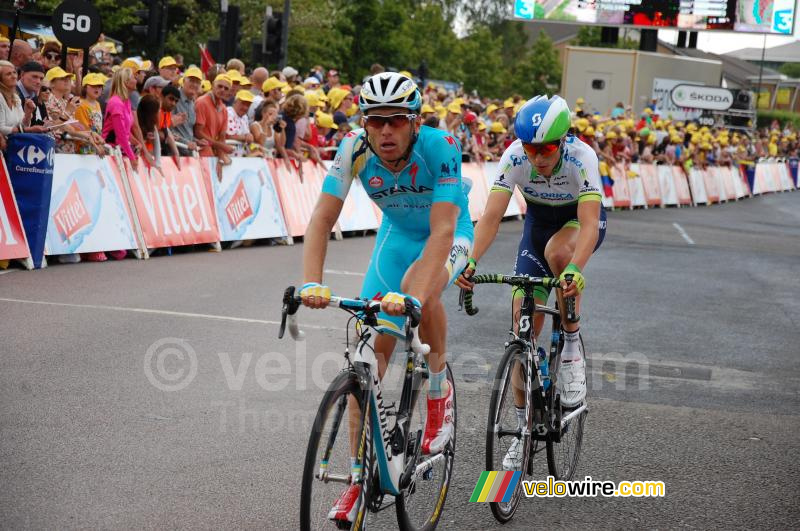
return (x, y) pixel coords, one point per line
(247, 201)
(173, 204)
(88, 210)
(30, 167)
(12, 235)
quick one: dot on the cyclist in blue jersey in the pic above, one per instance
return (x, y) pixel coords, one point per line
(413, 173)
(559, 177)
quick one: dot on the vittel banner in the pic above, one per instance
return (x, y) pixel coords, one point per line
(174, 205)
(88, 210)
(247, 202)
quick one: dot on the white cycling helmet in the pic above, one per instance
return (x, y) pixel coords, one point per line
(390, 89)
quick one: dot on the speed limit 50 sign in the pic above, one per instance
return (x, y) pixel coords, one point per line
(77, 23)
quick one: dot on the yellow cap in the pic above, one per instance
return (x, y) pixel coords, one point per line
(441, 111)
(459, 101)
(313, 99)
(245, 95)
(206, 85)
(132, 64)
(195, 72)
(611, 135)
(580, 101)
(589, 131)
(94, 79)
(167, 62)
(225, 78)
(481, 126)
(336, 97)
(406, 73)
(273, 83)
(244, 81)
(497, 127)
(325, 120)
(427, 109)
(146, 65)
(3, 38)
(648, 110)
(491, 108)
(454, 107)
(57, 73)
(508, 104)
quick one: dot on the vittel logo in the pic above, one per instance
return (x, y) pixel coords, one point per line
(71, 215)
(238, 208)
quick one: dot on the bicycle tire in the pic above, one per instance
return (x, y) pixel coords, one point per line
(343, 386)
(502, 396)
(563, 455)
(403, 508)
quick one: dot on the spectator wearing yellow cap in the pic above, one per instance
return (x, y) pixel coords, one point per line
(184, 117)
(168, 68)
(212, 120)
(90, 115)
(61, 105)
(452, 121)
(272, 89)
(498, 134)
(238, 123)
(341, 100)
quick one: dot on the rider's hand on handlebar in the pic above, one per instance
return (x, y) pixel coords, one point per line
(576, 281)
(315, 295)
(463, 279)
(395, 303)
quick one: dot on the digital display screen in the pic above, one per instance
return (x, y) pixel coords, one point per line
(755, 16)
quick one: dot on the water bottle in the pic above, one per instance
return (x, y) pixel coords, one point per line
(544, 368)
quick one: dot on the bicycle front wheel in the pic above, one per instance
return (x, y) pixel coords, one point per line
(339, 431)
(564, 451)
(508, 448)
(420, 505)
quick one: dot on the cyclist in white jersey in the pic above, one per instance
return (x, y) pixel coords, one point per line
(558, 175)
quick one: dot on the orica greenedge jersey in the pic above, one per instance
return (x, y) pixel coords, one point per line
(432, 175)
(554, 200)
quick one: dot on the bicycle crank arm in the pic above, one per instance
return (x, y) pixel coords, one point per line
(572, 414)
(428, 464)
(334, 478)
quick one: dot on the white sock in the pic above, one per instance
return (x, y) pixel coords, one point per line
(520, 416)
(572, 346)
(437, 383)
(355, 469)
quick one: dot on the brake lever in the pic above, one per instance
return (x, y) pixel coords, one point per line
(570, 303)
(290, 307)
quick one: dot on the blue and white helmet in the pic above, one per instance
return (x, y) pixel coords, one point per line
(390, 89)
(541, 120)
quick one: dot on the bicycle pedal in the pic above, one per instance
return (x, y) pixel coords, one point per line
(428, 474)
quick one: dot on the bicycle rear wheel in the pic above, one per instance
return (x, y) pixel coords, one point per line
(563, 454)
(420, 505)
(503, 428)
(327, 469)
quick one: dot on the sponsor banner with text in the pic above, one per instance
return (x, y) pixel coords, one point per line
(88, 209)
(12, 235)
(247, 201)
(173, 205)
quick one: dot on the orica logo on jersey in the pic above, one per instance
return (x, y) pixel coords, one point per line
(573, 160)
(516, 160)
(553, 196)
(537, 119)
(376, 182)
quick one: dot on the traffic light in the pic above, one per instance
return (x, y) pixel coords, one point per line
(233, 33)
(274, 38)
(153, 26)
(149, 18)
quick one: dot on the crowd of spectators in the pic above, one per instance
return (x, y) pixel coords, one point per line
(151, 108)
(229, 110)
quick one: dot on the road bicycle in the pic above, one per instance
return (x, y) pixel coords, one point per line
(548, 424)
(386, 437)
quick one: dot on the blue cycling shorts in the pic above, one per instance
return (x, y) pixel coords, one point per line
(395, 252)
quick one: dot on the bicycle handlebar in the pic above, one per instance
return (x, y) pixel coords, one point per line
(512, 280)
(292, 303)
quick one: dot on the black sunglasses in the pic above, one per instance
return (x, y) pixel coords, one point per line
(53, 56)
(377, 121)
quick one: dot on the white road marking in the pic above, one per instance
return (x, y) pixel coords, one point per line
(346, 273)
(7, 271)
(165, 312)
(683, 233)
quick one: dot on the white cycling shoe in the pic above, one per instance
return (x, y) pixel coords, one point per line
(513, 458)
(571, 383)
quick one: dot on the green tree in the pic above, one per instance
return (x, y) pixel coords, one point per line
(591, 36)
(540, 71)
(790, 69)
(482, 63)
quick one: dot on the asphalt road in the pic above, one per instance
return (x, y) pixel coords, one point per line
(693, 380)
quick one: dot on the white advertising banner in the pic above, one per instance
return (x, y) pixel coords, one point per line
(248, 207)
(88, 210)
(662, 93)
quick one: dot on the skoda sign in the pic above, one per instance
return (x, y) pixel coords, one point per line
(700, 97)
